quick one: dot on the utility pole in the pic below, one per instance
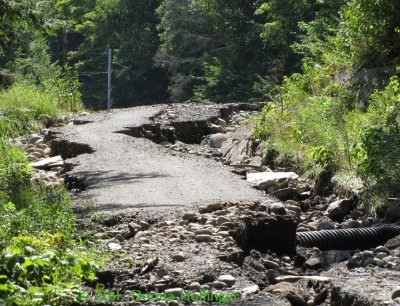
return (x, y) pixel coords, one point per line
(65, 45)
(109, 72)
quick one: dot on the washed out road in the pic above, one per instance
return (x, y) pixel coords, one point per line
(124, 172)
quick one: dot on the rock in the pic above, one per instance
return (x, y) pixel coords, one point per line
(379, 262)
(48, 163)
(367, 222)
(167, 223)
(355, 215)
(217, 140)
(179, 257)
(381, 255)
(287, 290)
(396, 293)
(301, 188)
(32, 158)
(195, 286)
(161, 273)
(269, 264)
(210, 208)
(292, 203)
(183, 222)
(134, 227)
(295, 209)
(392, 244)
(141, 234)
(228, 225)
(203, 238)
(277, 208)
(222, 212)
(339, 209)
(256, 161)
(295, 278)
(185, 235)
(320, 297)
(313, 263)
(222, 219)
(263, 180)
(283, 194)
(381, 249)
(272, 274)
(39, 142)
(34, 139)
(114, 246)
(191, 217)
(366, 254)
(202, 231)
(353, 224)
(270, 189)
(37, 154)
(119, 237)
(227, 279)
(221, 122)
(144, 224)
(174, 291)
(256, 265)
(305, 194)
(170, 303)
(217, 285)
(326, 225)
(214, 129)
(369, 262)
(250, 290)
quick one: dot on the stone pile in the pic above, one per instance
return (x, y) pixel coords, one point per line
(382, 256)
(48, 169)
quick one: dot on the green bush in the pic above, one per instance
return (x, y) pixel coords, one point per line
(320, 115)
(40, 262)
(28, 277)
(46, 211)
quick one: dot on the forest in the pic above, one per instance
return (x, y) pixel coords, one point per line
(329, 68)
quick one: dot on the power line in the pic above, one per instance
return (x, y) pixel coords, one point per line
(92, 72)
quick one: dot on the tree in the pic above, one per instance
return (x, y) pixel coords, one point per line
(129, 27)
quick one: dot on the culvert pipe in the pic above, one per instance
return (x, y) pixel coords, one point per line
(349, 238)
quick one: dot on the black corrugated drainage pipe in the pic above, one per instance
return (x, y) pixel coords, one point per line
(349, 238)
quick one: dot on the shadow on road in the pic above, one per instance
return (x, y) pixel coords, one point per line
(99, 179)
(117, 206)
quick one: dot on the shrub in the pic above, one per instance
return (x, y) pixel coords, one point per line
(15, 175)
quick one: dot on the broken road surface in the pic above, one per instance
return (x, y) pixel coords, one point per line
(124, 172)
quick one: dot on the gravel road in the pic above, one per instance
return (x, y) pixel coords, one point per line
(125, 172)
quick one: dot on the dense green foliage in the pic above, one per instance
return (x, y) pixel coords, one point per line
(40, 261)
(341, 113)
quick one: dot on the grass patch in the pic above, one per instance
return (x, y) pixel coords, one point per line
(25, 96)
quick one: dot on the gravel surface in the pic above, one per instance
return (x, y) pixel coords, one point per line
(125, 172)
